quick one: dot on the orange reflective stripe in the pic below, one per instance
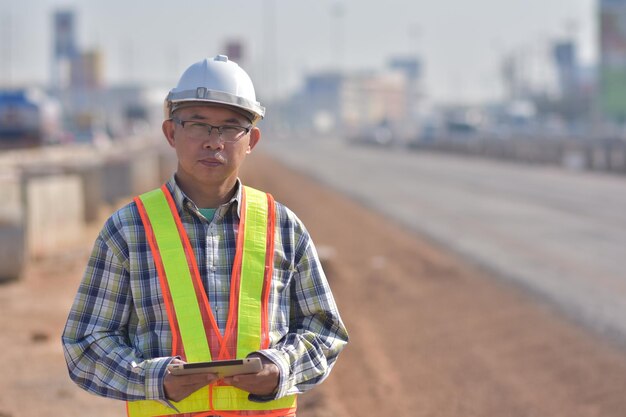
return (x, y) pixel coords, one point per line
(235, 280)
(283, 412)
(158, 262)
(211, 407)
(269, 271)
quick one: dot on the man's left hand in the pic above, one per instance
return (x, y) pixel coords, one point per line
(263, 383)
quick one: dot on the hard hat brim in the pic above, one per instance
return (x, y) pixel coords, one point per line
(202, 95)
(251, 117)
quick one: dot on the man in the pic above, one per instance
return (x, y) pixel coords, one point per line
(201, 269)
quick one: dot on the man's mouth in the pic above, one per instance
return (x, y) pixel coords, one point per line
(212, 161)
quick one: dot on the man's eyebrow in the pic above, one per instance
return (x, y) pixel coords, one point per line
(231, 120)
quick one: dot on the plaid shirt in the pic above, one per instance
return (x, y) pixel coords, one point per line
(117, 339)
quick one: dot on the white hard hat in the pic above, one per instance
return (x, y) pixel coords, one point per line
(215, 80)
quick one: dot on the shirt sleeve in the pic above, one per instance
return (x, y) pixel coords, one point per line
(308, 352)
(95, 339)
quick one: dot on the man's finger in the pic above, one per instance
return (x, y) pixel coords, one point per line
(193, 379)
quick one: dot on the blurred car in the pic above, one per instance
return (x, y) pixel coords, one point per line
(383, 134)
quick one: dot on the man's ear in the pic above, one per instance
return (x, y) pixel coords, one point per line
(168, 130)
(255, 137)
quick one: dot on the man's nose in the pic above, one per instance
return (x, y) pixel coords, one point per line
(213, 139)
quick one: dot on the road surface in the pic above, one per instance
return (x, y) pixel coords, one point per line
(560, 234)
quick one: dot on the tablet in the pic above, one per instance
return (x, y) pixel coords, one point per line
(221, 368)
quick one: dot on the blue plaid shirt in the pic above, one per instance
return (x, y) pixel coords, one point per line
(118, 341)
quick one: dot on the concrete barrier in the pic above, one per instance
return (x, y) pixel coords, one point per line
(144, 172)
(617, 160)
(54, 214)
(12, 230)
(167, 163)
(574, 157)
(599, 159)
(49, 194)
(12, 250)
(577, 154)
(11, 198)
(90, 174)
(116, 178)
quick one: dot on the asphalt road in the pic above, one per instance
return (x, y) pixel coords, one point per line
(559, 234)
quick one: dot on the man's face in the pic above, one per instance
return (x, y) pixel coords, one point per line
(209, 161)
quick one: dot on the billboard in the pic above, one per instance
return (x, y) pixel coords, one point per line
(613, 59)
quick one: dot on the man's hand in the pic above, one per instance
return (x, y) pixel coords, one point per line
(178, 387)
(263, 383)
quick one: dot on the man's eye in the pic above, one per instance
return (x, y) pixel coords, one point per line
(230, 129)
(198, 126)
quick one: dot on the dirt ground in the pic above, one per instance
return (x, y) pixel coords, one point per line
(431, 335)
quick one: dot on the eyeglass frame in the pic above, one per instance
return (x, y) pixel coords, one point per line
(210, 127)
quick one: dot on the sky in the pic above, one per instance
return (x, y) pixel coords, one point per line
(461, 43)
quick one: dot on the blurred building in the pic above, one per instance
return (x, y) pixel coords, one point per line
(374, 98)
(411, 67)
(612, 92)
(234, 50)
(65, 49)
(86, 70)
(92, 111)
(565, 59)
(345, 103)
(321, 101)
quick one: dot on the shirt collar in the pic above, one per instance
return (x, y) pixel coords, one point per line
(182, 201)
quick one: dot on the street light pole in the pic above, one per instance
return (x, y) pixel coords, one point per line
(337, 36)
(7, 49)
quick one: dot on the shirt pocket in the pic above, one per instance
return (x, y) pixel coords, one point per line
(280, 301)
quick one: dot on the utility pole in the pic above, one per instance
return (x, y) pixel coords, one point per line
(7, 49)
(413, 36)
(128, 59)
(270, 59)
(337, 40)
(414, 79)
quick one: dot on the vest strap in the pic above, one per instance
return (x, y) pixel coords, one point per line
(178, 275)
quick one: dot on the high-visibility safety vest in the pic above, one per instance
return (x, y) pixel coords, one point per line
(195, 335)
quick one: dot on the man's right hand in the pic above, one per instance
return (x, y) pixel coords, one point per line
(179, 387)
